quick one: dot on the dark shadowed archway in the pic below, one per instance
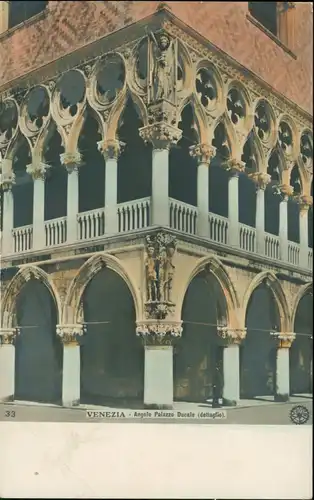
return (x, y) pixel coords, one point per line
(198, 353)
(112, 357)
(258, 350)
(38, 351)
(301, 350)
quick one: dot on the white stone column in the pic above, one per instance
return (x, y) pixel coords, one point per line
(161, 135)
(71, 376)
(203, 153)
(261, 180)
(286, 191)
(7, 181)
(282, 366)
(234, 167)
(158, 370)
(7, 363)
(305, 204)
(111, 150)
(72, 163)
(231, 364)
(38, 171)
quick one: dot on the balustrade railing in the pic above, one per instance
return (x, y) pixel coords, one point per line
(247, 238)
(183, 217)
(91, 224)
(134, 215)
(293, 253)
(218, 228)
(272, 246)
(56, 231)
(22, 239)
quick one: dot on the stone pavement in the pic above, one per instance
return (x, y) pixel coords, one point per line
(248, 412)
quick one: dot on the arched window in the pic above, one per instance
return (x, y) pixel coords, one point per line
(21, 11)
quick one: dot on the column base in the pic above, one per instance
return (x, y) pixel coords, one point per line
(158, 407)
(229, 402)
(7, 399)
(281, 398)
(67, 404)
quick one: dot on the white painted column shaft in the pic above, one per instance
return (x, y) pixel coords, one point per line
(160, 188)
(39, 239)
(233, 210)
(7, 372)
(8, 219)
(283, 229)
(282, 374)
(72, 204)
(202, 200)
(231, 370)
(260, 221)
(158, 376)
(71, 375)
(111, 196)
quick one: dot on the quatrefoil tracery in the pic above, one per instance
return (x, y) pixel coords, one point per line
(206, 88)
(235, 106)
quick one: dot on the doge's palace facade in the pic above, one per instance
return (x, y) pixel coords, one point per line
(157, 213)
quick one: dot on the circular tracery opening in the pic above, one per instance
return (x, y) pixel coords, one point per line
(206, 87)
(285, 137)
(235, 105)
(262, 120)
(306, 148)
(37, 106)
(295, 180)
(141, 63)
(110, 79)
(72, 91)
(8, 120)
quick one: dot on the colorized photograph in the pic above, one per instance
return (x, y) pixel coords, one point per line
(156, 199)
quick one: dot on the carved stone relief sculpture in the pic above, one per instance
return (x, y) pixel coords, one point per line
(159, 270)
(163, 63)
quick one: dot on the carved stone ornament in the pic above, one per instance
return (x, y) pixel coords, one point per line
(261, 179)
(110, 149)
(71, 161)
(234, 166)
(37, 170)
(69, 333)
(286, 191)
(7, 179)
(161, 135)
(231, 335)
(159, 332)
(7, 335)
(284, 339)
(163, 75)
(305, 203)
(203, 152)
(159, 271)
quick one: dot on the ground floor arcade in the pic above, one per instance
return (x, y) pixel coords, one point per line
(109, 357)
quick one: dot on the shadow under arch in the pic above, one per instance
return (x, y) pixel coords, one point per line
(263, 306)
(301, 350)
(198, 359)
(112, 357)
(38, 350)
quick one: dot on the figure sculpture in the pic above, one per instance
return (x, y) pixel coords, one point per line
(163, 68)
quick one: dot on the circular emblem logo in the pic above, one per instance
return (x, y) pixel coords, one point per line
(299, 415)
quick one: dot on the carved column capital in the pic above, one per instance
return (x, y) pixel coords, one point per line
(234, 166)
(111, 148)
(260, 179)
(37, 170)
(305, 202)
(7, 335)
(203, 152)
(284, 340)
(7, 179)
(160, 134)
(71, 161)
(159, 332)
(69, 333)
(231, 336)
(286, 191)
